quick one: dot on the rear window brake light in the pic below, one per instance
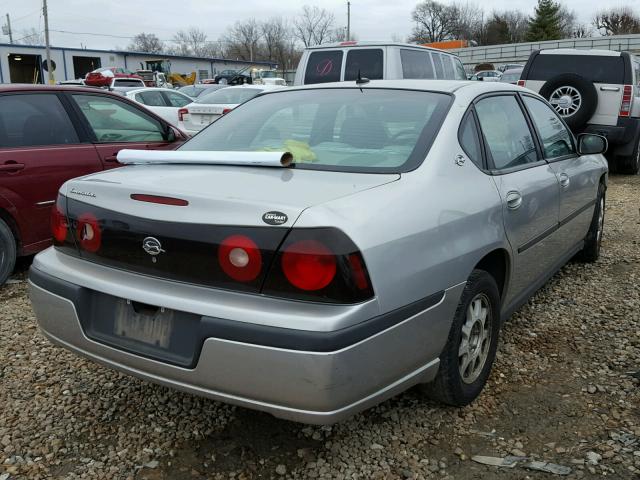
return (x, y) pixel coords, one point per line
(178, 202)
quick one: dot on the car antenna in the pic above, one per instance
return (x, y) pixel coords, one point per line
(361, 80)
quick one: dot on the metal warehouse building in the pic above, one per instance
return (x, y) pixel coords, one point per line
(24, 63)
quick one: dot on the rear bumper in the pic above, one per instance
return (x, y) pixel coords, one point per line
(625, 131)
(306, 382)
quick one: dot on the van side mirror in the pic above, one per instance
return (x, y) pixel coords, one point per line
(590, 144)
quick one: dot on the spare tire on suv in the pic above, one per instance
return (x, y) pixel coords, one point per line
(573, 97)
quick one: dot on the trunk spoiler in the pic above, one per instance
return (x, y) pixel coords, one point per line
(250, 159)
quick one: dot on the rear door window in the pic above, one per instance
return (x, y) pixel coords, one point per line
(153, 98)
(449, 72)
(470, 140)
(176, 100)
(416, 64)
(598, 69)
(323, 67)
(368, 61)
(34, 119)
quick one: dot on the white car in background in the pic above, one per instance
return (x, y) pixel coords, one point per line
(210, 106)
(487, 76)
(164, 102)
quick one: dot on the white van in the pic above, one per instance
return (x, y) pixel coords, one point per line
(375, 60)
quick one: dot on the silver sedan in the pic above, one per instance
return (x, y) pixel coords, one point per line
(415, 217)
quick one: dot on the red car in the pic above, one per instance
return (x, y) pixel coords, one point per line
(101, 77)
(49, 134)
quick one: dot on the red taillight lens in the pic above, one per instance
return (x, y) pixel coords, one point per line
(521, 83)
(240, 258)
(309, 265)
(89, 233)
(141, 197)
(59, 224)
(627, 96)
(181, 113)
(226, 110)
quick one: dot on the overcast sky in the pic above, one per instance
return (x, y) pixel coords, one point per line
(370, 19)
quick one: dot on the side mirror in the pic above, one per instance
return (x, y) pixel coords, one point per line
(590, 144)
(170, 134)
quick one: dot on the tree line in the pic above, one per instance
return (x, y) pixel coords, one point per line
(435, 21)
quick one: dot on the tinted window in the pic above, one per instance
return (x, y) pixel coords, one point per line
(470, 141)
(323, 67)
(343, 129)
(177, 100)
(556, 139)
(114, 121)
(30, 120)
(153, 98)
(437, 62)
(127, 82)
(368, 61)
(594, 68)
(228, 96)
(416, 64)
(506, 132)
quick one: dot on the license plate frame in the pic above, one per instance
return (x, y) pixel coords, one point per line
(142, 323)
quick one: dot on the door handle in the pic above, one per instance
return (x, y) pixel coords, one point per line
(610, 89)
(11, 167)
(514, 200)
(111, 158)
(564, 180)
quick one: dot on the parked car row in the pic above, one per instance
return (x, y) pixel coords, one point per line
(283, 256)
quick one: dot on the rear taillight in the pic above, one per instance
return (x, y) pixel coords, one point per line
(627, 97)
(162, 200)
(226, 110)
(88, 232)
(240, 258)
(181, 113)
(521, 83)
(59, 221)
(309, 265)
(319, 264)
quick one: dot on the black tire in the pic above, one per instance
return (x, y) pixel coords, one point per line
(628, 164)
(8, 251)
(449, 386)
(593, 240)
(588, 93)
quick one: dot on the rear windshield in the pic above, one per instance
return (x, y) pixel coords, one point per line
(377, 130)
(324, 67)
(126, 82)
(594, 68)
(231, 96)
(510, 77)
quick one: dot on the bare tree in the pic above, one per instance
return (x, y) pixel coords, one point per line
(275, 33)
(567, 21)
(434, 22)
(146, 42)
(582, 30)
(313, 26)
(30, 36)
(243, 39)
(617, 21)
(518, 24)
(469, 21)
(190, 42)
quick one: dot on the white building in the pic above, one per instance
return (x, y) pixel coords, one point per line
(25, 63)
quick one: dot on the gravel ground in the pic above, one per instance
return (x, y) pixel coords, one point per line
(564, 390)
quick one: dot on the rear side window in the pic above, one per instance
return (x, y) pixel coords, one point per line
(367, 61)
(597, 69)
(176, 100)
(470, 140)
(324, 67)
(32, 120)
(153, 98)
(416, 64)
(506, 131)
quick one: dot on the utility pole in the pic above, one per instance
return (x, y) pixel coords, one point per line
(7, 29)
(348, 21)
(45, 14)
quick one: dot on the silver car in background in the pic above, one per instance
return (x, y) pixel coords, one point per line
(416, 217)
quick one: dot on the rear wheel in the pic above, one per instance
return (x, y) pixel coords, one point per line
(593, 240)
(629, 164)
(468, 356)
(8, 252)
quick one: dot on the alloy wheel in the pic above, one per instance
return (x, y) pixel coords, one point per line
(475, 341)
(566, 100)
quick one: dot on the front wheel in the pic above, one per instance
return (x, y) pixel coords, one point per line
(7, 252)
(593, 240)
(467, 358)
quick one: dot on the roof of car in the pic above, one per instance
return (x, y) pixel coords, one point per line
(27, 87)
(354, 44)
(444, 86)
(575, 51)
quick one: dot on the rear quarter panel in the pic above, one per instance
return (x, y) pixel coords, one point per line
(425, 232)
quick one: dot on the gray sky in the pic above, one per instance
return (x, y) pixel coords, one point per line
(371, 19)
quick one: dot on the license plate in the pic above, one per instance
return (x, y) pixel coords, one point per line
(206, 119)
(145, 324)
